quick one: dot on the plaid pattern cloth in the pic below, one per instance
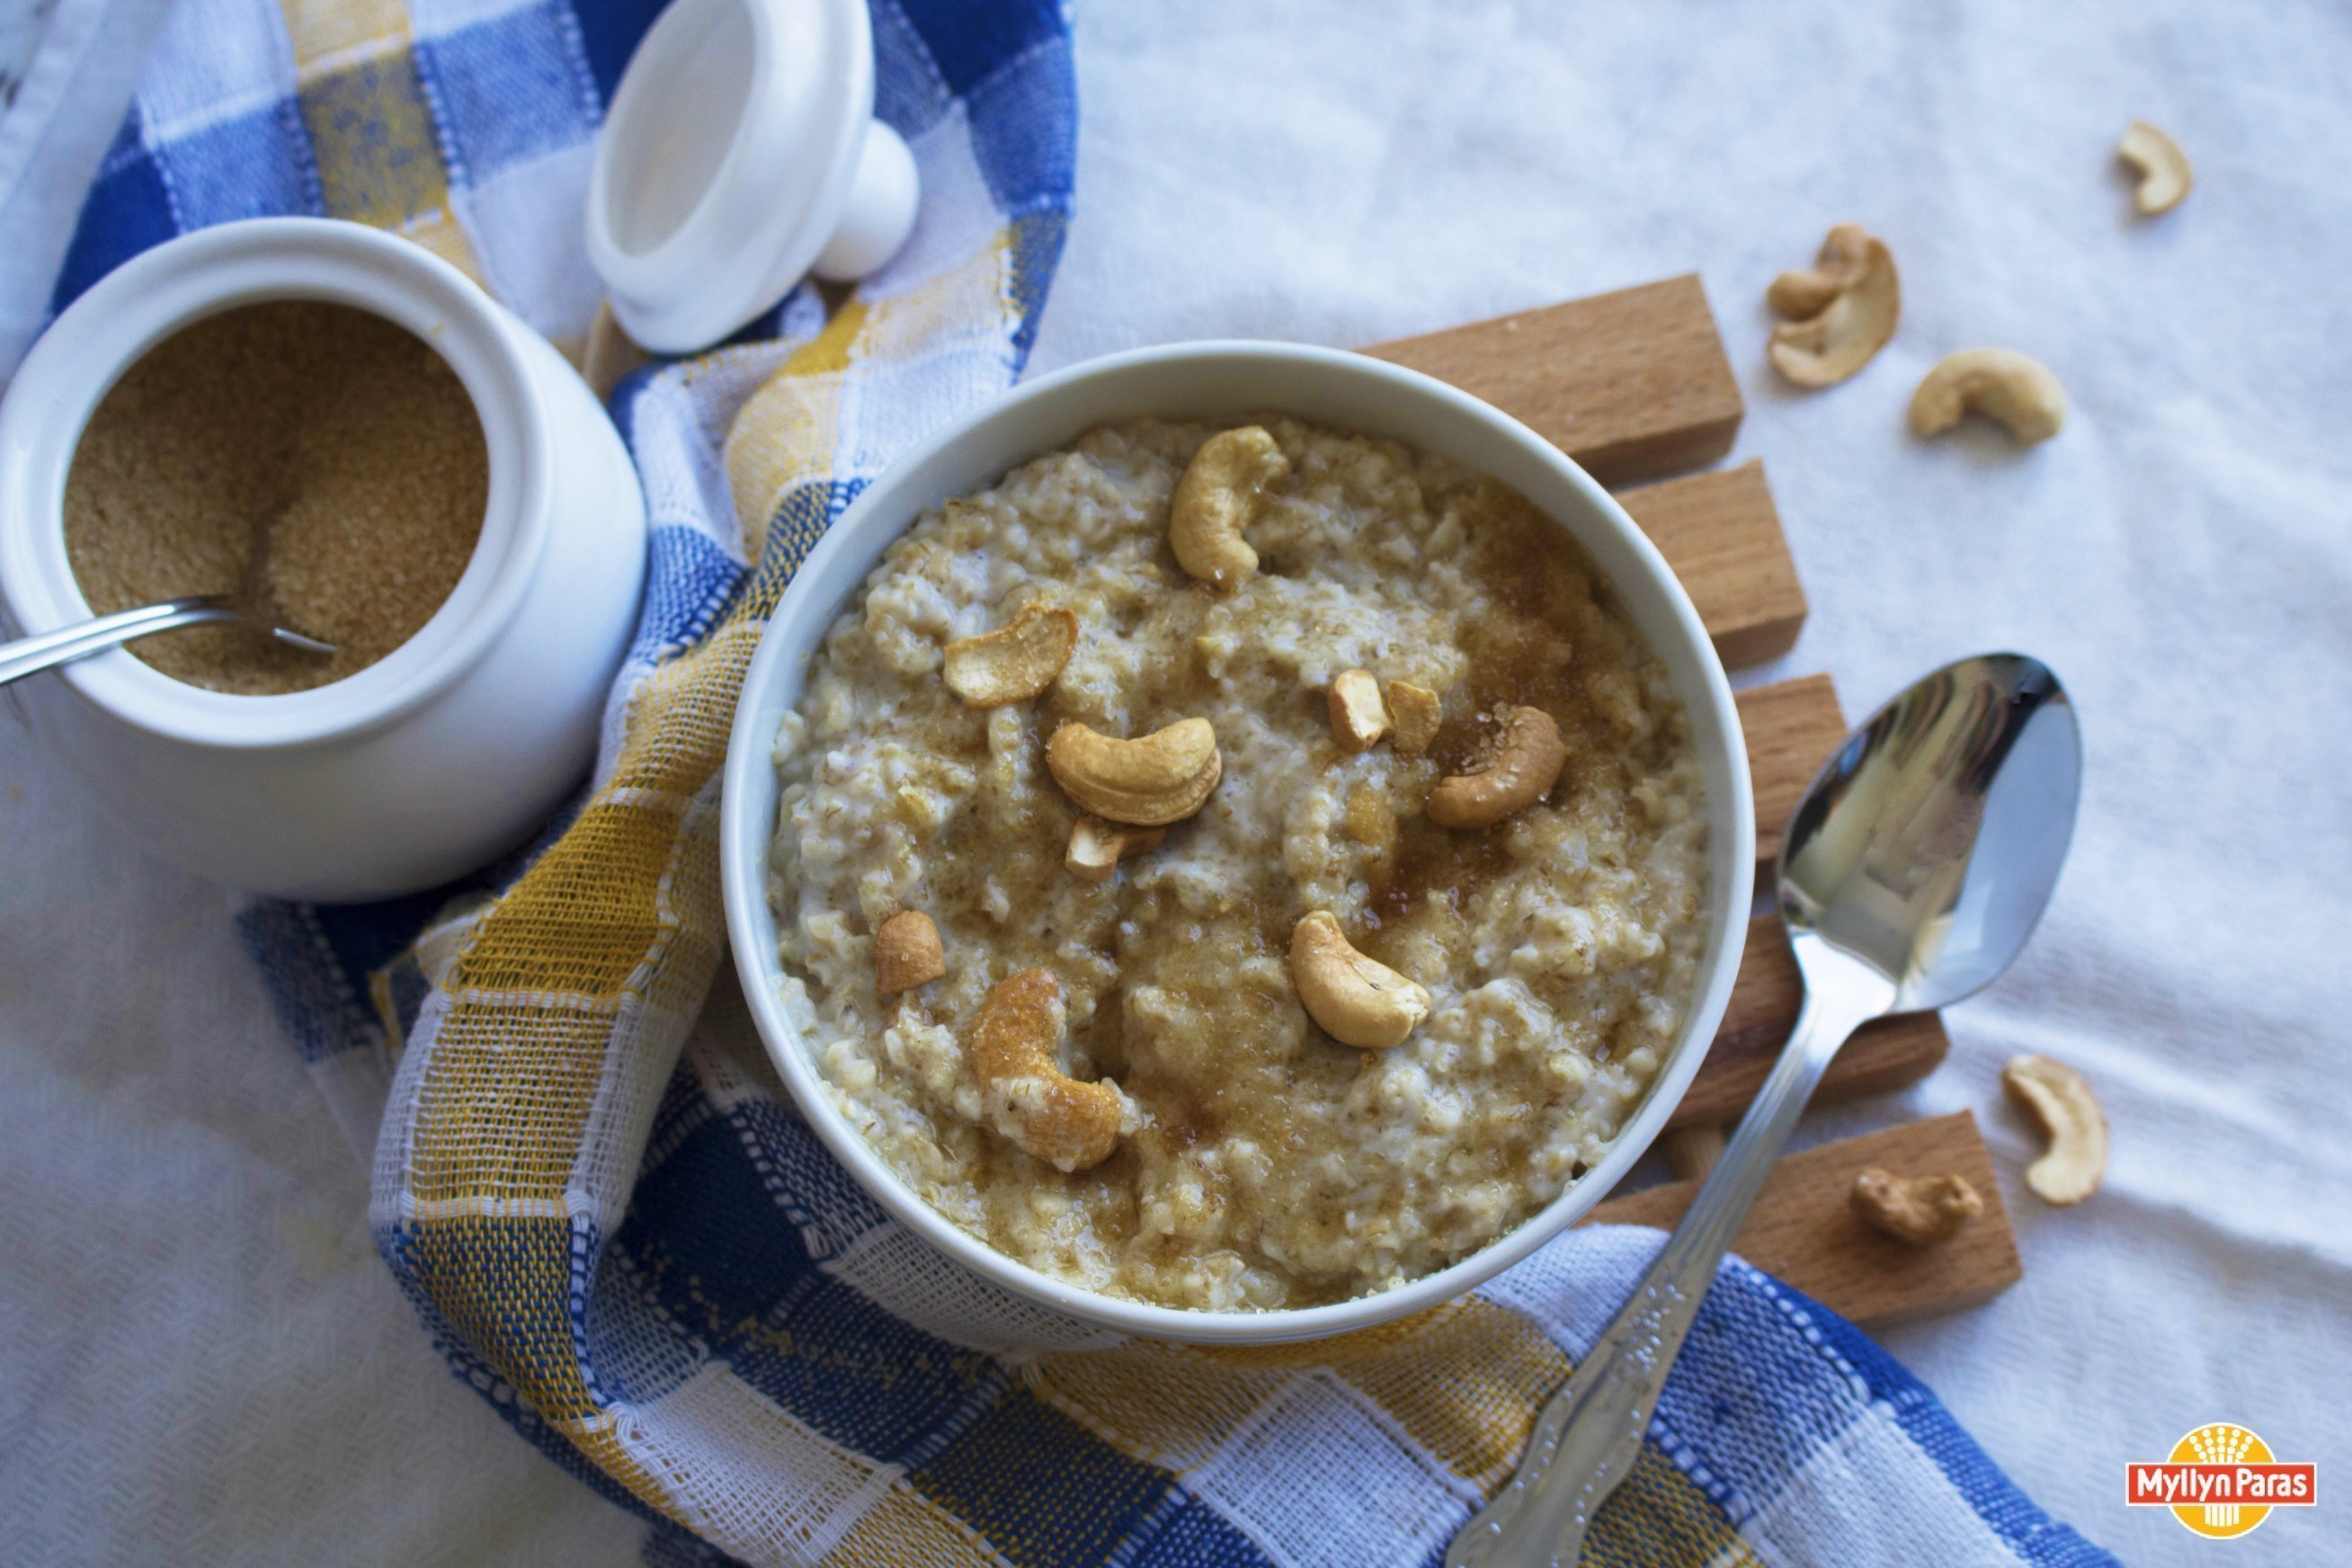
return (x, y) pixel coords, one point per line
(587, 1180)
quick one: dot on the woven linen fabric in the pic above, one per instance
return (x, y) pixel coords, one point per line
(610, 1221)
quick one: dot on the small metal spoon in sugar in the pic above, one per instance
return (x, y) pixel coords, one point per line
(248, 605)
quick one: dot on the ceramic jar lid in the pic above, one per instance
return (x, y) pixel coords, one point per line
(740, 151)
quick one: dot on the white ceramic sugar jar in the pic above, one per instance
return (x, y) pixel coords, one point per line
(444, 753)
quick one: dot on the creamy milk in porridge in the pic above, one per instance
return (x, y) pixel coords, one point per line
(1258, 1162)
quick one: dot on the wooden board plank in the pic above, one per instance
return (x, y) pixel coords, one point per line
(1792, 729)
(1721, 534)
(1802, 1230)
(1631, 385)
(1882, 1056)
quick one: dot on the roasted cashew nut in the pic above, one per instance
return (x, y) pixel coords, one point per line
(2164, 173)
(1800, 294)
(1359, 717)
(1097, 847)
(1847, 306)
(1215, 500)
(2009, 388)
(1148, 782)
(907, 953)
(1919, 1210)
(1359, 1001)
(2056, 1095)
(1525, 767)
(1417, 713)
(1014, 662)
(1071, 1126)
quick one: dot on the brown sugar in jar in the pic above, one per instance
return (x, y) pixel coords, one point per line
(331, 441)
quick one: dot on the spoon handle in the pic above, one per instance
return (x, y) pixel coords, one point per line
(27, 655)
(1588, 1435)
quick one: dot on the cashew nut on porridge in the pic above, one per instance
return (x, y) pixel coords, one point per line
(1238, 868)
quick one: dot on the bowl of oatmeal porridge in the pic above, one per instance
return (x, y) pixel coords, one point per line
(1237, 842)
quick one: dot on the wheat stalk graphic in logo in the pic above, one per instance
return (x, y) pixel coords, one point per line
(2221, 1443)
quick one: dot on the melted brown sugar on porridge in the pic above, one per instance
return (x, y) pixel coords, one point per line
(1261, 1164)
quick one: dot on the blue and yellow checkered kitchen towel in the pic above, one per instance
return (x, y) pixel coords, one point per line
(607, 1218)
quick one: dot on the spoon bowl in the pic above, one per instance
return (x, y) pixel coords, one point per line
(26, 656)
(1927, 848)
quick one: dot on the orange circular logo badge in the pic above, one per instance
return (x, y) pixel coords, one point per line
(2220, 1481)
(2221, 1443)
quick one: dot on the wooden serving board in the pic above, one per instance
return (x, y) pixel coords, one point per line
(1631, 385)
(1636, 384)
(1721, 534)
(1801, 1229)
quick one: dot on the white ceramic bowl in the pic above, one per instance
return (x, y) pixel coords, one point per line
(449, 749)
(1217, 380)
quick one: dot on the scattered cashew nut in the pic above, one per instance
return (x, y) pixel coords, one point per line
(1526, 765)
(907, 953)
(1148, 782)
(1070, 1125)
(1418, 714)
(2164, 173)
(2013, 389)
(1846, 307)
(1215, 498)
(1097, 847)
(1358, 718)
(1801, 295)
(1918, 1210)
(1359, 1001)
(1014, 662)
(2056, 1095)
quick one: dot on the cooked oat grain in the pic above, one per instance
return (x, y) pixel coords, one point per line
(1271, 1166)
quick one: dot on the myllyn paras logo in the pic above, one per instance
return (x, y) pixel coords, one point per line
(2220, 1481)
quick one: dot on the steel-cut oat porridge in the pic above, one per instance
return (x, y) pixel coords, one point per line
(1253, 1160)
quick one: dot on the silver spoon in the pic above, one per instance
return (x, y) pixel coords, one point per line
(248, 605)
(27, 655)
(1910, 876)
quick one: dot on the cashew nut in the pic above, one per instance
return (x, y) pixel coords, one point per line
(1358, 718)
(1849, 302)
(1526, 765)
(1215, 498)
(2164, 173)
(2056, 1095)
(2008, 387)
(1014, 662)
(1917, 1210)
(1801, 295)
(1417, 713)
(1097, 847)
(1070, 1125)
(1359, 1001)
(1149, 782)
(907, 953)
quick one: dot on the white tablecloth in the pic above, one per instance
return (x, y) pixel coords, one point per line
(200, 1357)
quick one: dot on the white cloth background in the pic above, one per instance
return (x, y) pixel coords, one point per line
(201, 1359)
